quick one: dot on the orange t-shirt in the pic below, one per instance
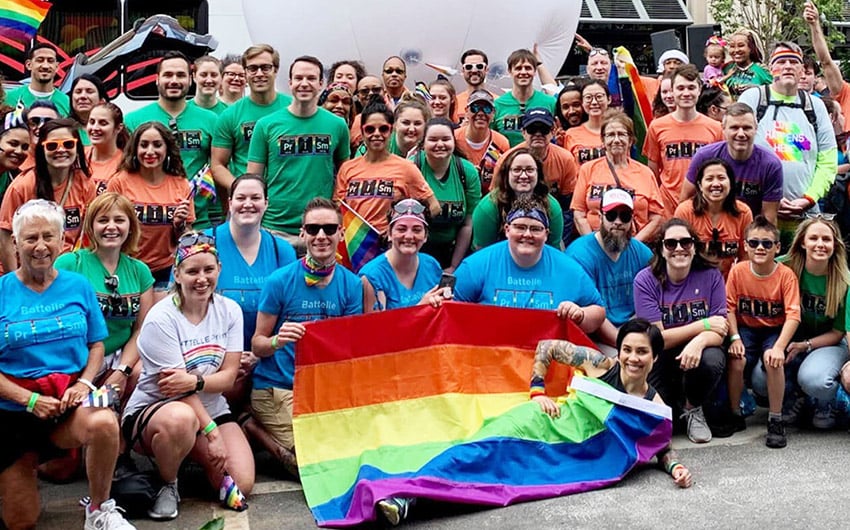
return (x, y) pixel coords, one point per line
(102, 172)
(671, 144)
(370, 188)
(763, 302)
(22, 189)
(356, 135)
(843, 99)
(729, 243)
(484, 158)
(583, 144)
(560, 169)
(154, 207)
(594, 179)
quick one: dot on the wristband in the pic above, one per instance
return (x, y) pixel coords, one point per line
(209, 428)
(537, 391)
(706, 324)
(274, 343)
(87, 383)
(33, 400)
(734, 337)
(675, 468)
(671, 465)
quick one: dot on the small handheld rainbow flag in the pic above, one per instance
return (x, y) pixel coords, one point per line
(361, 242)
(103, 397)
(20, 19)
(421, 90)
(203, 184)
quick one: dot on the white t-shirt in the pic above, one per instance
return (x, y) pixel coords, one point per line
(168, 340)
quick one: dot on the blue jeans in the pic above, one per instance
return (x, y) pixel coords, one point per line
(818, 375)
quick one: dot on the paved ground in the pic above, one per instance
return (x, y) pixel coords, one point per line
(739, 484)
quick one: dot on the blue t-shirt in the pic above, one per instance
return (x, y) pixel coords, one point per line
(613, 279)
(242, 282)
(49, 332)
(490, 276)
(287, 295)
(381, 275)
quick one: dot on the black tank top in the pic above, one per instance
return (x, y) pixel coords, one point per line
(612, 377)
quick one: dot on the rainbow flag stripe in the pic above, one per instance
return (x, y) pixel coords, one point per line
(203, 184)
(427, 409)
(20, 19)
(642, 114)
(361, 243)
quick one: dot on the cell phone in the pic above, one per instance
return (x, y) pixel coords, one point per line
(448, 280)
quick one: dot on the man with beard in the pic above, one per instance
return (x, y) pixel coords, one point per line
(42, 64)
(474, 66)
(612, 259)
(191, 125)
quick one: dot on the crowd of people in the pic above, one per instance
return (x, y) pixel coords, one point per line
(175, 253)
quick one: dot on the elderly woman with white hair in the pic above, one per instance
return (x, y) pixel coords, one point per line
(49, 354)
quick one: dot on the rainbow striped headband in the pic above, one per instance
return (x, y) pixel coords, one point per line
(785, 53)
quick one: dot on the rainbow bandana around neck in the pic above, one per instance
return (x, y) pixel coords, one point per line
(785, 53)
(314, 272)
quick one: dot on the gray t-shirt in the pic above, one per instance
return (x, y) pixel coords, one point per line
(168, 340)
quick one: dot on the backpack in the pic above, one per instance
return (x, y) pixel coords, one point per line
(805, 97)
(837, 202)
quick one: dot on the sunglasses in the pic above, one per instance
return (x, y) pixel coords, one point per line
(254, 68)
(365, 91)
(172, 124)
(38, 121)
(538, 129)
(475, 66)
(390, 71)
(475, 108)
(686, 243)
(383, 129)
(111, 283)
(766, 243)
(409, 206)
(624, 215)
(824, 216)
(195, 238)
(66, 143)
(313, 229)
(597, 51)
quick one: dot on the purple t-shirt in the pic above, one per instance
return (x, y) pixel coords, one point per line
(758, 178)
(701, 295)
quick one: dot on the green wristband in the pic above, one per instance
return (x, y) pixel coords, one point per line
(734, 337)
(274, 343)
(706, 324)
(33, 400)
(209, 428)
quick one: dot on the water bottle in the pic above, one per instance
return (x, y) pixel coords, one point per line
(842, 400)
(748, 404)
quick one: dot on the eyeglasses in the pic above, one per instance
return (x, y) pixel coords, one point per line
(517, 171)
(538, 129)
(686, 243)
(597, 51)
(234, 74)
(624, 215)
(587, 98)
(475, 108)
(383, 129)
(766, 243)
(474, 66)
(66, 143)
(612, 135)
(111, 283)
(390, 71)
(521, 228)
(254, 68)
(313, 229)
(38, 121)
(821, 215)
(195, 238)
(375, 90)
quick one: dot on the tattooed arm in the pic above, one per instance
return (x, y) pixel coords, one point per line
(591, 361)
(668, 461)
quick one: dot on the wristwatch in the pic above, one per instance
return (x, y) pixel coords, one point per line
(125, 370)
(199, 387)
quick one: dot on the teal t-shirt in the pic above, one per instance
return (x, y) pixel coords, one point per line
(134, 278)
(301, 156)
(509, 111)
(219, 107)
(196, 126)
(22, 93)
(458, 197)
(488, 226)
(236, 125)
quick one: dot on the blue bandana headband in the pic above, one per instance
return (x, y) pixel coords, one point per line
(534, 213)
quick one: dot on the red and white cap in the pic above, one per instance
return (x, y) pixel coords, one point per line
(615, 198)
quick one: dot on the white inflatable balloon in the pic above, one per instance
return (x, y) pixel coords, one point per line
(421, 33)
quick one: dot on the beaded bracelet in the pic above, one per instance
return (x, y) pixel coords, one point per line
(209, 428)
(33, 400)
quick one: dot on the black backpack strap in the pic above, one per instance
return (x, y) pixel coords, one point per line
(808, 108)
(460, 172)
(763, 102)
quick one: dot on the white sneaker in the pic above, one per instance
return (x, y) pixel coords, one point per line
(108, 517)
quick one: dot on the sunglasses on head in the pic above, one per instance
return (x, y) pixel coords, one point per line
(624, 215)
(475, 108)
(66, 143)
(686, 243)
(172, 124)
(195, 238)
(38, 121)
(597, 51)
(383, 129)
(766, 243)
(390, 71)
(475, 66)
(409, 206)
(111, 283)
(824, 216)
(313, 229)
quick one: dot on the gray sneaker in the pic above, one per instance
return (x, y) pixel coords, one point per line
(698, 431)
(166, 503)
(824, 417)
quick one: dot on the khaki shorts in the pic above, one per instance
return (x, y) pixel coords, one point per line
(272, 407)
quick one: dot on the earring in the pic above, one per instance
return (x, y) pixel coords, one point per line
(167, 162)
(135, 162)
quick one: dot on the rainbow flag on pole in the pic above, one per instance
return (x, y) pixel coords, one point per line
(361, 242)
(438, 408)
(20, 19)
(641, 112)
(203, 184)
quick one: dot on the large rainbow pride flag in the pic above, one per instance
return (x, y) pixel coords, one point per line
(20, 19)
(433, 403)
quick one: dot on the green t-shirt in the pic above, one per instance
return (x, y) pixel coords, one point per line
(196, 126)
(488, 226)
(22, 93)
(509, 111)
(219, 107)
(301, 156)
(457, 198)
(5, 182)
(134, 278)
(236, 124)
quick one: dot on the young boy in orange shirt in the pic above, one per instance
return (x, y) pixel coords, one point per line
(763, 302)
